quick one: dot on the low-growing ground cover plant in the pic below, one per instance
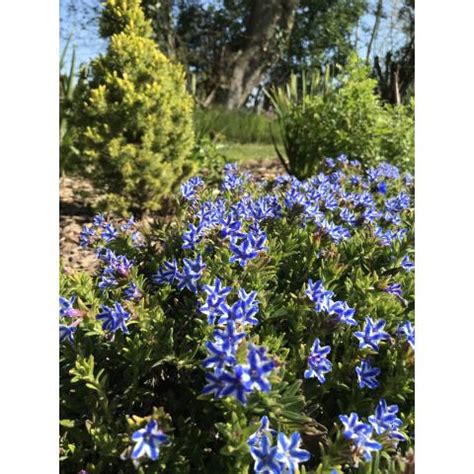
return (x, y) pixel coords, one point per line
(269, 328)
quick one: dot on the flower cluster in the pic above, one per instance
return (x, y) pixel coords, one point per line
(67, 312)
(323, 302)
(362, 435)
(256, 298)
(283, 457)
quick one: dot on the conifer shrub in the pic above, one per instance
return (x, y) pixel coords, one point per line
(134, 114)
(269, 327)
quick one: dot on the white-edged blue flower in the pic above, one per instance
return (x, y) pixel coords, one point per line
(318, 363)
(147, 441)
(367, 375)
(372, 334)
(289, 453)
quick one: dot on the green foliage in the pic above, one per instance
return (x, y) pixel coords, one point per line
(134, 115)
(342, 114)
(235, 126)
(68, 153)
(112, 384)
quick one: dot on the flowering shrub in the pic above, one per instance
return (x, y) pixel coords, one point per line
(268, 328)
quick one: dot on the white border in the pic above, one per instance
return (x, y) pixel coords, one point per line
(444, 255)
(29, 236)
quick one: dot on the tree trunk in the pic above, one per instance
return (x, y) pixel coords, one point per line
(269, 22)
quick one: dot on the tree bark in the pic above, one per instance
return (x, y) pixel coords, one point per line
(268, 23)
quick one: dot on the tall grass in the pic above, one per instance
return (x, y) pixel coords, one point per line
(235, 126)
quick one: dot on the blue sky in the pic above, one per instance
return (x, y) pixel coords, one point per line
(89, 44)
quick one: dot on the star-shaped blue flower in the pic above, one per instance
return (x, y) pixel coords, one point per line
(66, 307)
(114, 318)
(407, 330)
(265, 457)
(289, 453)
(242, 253)
(191, 274)
(372, 334)
(147, 441)
(166, 273)
(386, 420)
(257, 369)
(367, 375)
(318, 362)
(66, 333)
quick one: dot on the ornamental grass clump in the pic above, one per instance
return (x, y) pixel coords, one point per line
(134, 115)
(269, 327)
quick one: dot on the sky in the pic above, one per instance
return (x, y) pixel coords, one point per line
(88, 44)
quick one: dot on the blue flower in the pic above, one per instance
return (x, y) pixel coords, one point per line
(351, 424)
(319, 295)
(348, 216)
(66, 307)
(230, 334)
(243, 310)
(166, 273)
(265, 457)
(406, 264)
(66, 333)
(230, 226)
(129, 224)
(109, 233)
(371, 214)
(360, 434)
(216, 298)
(215, 384)
(98, 220)
(386, 420)
(264, 427)
(330, 162)
(86, 235)
(382, 187)
(191, 274)
(188, 189)
(106, 282)
(293, 198)
(318, 362)
(372, 334)
(131, 292)
(407, 330)
(242, 253)
(367, 375)
(114, 318)
(344, 313)
(365, 444)
(259, 366)
(122, 265)
(192, 236)
(394, 289)
(236, 383)
(289, 454)
(221, 355)
(337, 233)
(147, 441)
